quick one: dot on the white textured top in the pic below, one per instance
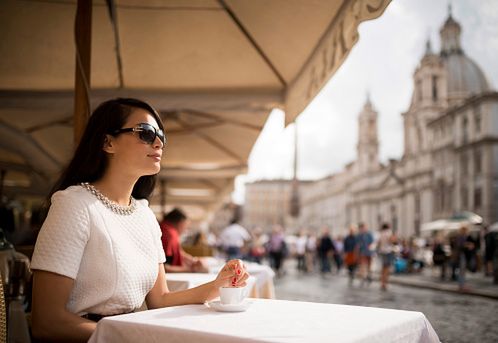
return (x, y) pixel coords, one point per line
(112, 258)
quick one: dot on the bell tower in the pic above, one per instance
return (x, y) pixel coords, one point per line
(368, 143)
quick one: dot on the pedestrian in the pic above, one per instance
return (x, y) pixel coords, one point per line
(257, 247)
(365, 243)
(233, 238)
(351, 253)
(277, 249)
(471, 249)
(385, 249)
(174, 224)
(489, 250)
(439, 257)
(325, 249)
(301, 251)
(492, 242)
(99, 250)
(464, 245)
(310, 254)
(338, 252)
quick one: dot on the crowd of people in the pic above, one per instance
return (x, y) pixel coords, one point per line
(361, 249)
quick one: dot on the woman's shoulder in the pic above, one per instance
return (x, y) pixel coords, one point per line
(143, 202)
(143, 207)
(72, 194)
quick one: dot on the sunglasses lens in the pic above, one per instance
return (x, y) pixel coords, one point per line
(147, 134)
(160, 134)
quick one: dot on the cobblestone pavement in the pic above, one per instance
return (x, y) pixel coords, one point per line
(456, 318)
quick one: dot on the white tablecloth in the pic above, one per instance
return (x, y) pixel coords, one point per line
(267, 321)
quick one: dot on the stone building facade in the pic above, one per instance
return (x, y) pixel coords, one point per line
(449, 162)
(268, 202)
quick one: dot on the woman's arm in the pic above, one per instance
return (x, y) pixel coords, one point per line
(160, 296)
(177, 269)
(51, 321)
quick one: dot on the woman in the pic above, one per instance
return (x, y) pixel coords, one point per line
(385, 248)
(99, 251)
(351, 252)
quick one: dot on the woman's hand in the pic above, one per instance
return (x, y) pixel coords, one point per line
(233, 274)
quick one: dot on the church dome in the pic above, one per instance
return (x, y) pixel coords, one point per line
(464, 76)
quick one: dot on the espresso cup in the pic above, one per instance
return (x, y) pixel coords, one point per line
(231, 295)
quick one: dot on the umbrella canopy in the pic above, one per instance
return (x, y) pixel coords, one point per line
(467, 216)
(214, 70)
(455, 222)
(493, 227)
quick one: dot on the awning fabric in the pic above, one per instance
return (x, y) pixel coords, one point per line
(214, 69)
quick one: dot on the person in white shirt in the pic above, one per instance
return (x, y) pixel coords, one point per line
(385, 248)
(233, 239)
(99, 250)
(301, 250)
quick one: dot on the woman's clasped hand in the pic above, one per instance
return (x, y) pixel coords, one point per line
(233, 274)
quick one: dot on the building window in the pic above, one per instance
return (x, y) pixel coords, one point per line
(417, 215)
(442, 191)
(394, 219)
(465, 125)
(434, 87)
(477, 198)
(449, 198)
(477, 119)
(477, 162)
(465, 196)
(463, 165)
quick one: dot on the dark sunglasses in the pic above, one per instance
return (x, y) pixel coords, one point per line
(146, 132)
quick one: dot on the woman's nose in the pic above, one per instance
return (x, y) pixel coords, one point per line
(158, 144)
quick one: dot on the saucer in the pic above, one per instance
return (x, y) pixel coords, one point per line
(218, 306)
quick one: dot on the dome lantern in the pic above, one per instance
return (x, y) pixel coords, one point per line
(450, 36)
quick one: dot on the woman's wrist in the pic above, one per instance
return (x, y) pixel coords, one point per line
(213, 292)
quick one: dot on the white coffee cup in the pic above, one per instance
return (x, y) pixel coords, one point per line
(232, 295)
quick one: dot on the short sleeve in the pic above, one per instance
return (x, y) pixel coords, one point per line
(157, 234)
(159, 244)
(63, 236)
(245, 234)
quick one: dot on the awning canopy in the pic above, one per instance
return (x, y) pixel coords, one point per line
(214, 69)
(455, 222)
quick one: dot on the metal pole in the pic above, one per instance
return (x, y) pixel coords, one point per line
(294, 205)
(83, 43)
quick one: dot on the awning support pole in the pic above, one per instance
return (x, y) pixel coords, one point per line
(83, 44)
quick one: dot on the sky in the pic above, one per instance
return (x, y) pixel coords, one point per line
(381, 63)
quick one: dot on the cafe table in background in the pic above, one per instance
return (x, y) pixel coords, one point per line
(267, 320)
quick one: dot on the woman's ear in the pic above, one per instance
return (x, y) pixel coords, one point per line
(108, 144)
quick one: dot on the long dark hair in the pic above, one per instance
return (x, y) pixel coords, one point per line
(90, 160)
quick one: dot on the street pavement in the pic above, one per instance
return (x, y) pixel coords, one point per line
(456, 317)
(476, 283)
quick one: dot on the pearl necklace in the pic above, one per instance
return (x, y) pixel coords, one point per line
(113, 206)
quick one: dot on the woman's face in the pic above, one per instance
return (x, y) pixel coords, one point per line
(132, 155)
